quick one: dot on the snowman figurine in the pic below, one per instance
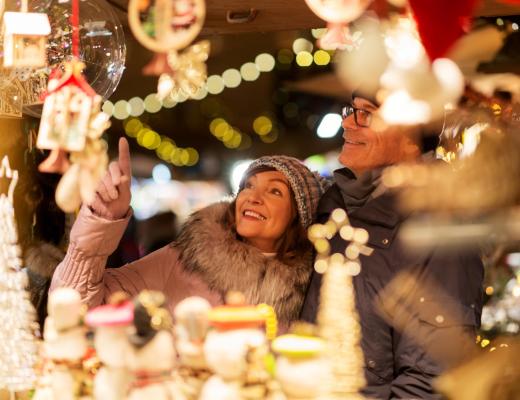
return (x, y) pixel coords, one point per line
(153, 355)
(65, 343)
(301, 367)
(191, 327)
(112, 323)
(236, 350)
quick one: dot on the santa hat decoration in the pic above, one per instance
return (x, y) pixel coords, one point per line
(441, 22)
(119, 312)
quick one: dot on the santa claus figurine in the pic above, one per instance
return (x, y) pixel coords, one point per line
(153, 356)
(112, 323)
(191, 327)
(236, 350)
(65, 343)
(301, 367)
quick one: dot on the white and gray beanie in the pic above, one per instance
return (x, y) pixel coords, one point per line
(306, 185)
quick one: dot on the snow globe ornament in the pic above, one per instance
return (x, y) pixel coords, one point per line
(112, 323)
(301, 367)
(153, 355)
(338, 13)
(237, 351)
(65, 343)
(25, 38)
(166, 27)
(191, 327)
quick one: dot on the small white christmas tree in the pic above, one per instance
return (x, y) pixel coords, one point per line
(18, 349)
(338, 319)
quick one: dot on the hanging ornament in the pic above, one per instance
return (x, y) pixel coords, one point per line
(72, 121)
(338, 13)
(25, 38)
(166, 27)
(189, 72)
(440, 23)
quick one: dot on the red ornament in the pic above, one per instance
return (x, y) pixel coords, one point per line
(441, 22)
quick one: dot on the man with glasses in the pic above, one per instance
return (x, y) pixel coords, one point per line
(407, 346)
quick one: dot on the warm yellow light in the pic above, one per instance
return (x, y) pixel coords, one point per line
(222, 129)
(152, 103)
(232, 78)
(193, 156)
(489, 290)
(121, 110)
(213, 124)
(265, 62)
(321, 57)
(151, 140)
(169, 102)
(108, 107)
(262, 125)
(228, 134)
(304, 58)
(302, 44)
(136, 106)
(133, 126)
(175, 158)
(215, 84)
(166, 149)
(249, 72)
(201, 93)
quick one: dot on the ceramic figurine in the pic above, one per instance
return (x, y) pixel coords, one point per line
(65, 343)
(236, 350)
(153, 355)
(191, 326)
(112, 323)
(301, 367)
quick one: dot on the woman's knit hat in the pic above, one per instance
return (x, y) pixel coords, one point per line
(307, 186)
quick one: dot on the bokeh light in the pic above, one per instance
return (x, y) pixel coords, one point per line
(232, 78)
(265, 62)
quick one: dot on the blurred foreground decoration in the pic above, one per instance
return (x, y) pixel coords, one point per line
(491, 373)
(18, 327)
(392, 66)
(343, 335)
(338, 14)
(475, 196)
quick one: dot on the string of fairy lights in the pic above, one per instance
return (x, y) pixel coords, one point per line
(166, 149)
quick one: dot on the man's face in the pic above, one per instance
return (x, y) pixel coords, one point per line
(365, 149)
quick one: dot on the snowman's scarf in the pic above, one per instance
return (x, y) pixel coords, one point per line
(225, 263)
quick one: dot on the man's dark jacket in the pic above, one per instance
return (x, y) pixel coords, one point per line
(436, 316)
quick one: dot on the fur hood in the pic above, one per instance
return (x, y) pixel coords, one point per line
(225, 263)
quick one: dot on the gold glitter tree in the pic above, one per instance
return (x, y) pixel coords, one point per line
(338, 319)
(18, 350)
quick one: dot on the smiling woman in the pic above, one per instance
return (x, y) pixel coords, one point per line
(256, 244)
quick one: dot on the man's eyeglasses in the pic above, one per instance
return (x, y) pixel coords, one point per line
(363, 118)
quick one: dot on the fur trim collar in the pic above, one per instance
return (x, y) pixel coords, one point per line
(226, 263)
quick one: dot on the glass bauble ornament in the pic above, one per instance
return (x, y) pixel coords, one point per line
(102, 43)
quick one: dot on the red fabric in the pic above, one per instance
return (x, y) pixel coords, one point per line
(441, 22)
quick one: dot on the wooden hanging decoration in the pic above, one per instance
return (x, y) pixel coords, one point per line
(25, 38)
(166, 27)
(72, 122)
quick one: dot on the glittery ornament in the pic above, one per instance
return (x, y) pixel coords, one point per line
(18, 352)
(338, 319)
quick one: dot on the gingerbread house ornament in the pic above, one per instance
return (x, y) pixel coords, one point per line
(25, 39)
(69, 105)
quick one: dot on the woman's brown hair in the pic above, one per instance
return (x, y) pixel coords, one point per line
(293, 242)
